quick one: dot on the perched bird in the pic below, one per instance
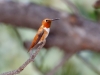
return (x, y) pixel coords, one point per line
(42, 33)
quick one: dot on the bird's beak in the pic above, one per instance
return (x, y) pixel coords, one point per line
(54, 19)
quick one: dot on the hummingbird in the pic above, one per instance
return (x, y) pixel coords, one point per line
(42, 32)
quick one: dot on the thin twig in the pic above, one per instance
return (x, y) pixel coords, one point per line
(62, 61)
(89, 64)
(21, 68)
(72, 7)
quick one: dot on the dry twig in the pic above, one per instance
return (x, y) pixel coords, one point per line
(21, 68)
(61, 62)
(89, 64)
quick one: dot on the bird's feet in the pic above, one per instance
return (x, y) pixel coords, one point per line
(40, 42)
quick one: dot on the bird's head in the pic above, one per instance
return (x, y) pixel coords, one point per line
(47, 22)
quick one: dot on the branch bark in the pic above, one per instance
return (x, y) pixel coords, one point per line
(21, 68)
(70, 33)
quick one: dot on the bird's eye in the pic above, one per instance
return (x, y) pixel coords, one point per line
(46, 20)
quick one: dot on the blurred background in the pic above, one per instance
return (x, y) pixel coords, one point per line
(13, 54)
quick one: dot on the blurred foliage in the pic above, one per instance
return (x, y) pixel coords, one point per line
(13, 53)
(86, 8)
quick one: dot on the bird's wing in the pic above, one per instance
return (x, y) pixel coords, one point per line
(36, 39)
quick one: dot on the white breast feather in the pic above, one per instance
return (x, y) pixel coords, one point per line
(47, 29)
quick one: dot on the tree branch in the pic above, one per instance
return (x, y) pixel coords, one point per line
(70, 33)
(72, 7)
(88, 63)
(21, 68)
(61, 63)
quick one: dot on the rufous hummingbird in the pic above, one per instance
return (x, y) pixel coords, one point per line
(42, 33)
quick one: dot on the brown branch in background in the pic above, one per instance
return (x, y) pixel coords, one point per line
(21, 68)
(97, 4)
(71, 33)
(61, 63)
(63, 34)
